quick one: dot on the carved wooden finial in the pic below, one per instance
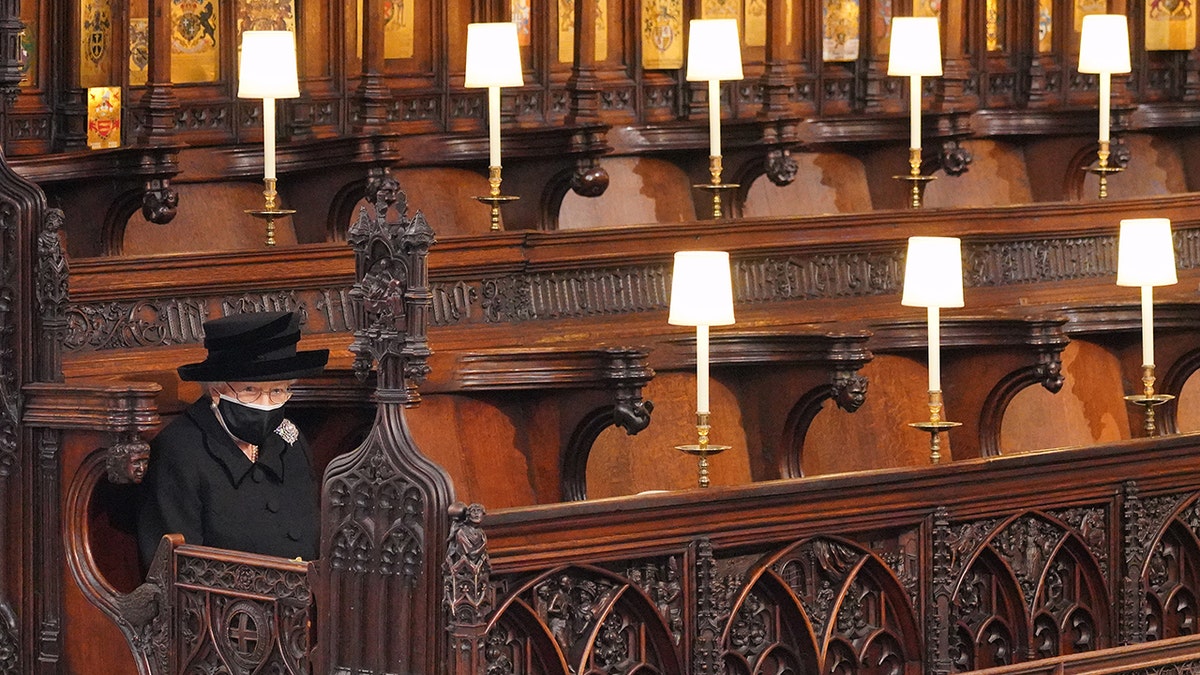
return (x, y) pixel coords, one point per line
(392, 298)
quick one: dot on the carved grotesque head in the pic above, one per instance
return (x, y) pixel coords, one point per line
(126, 462)
(850, 391)
(474, 514)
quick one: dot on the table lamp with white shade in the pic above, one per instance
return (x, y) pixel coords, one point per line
(493, 61)
(1145, 259)
(701, 296)
(714, 54)
(1104, 50)
(915, 51)
(933, 279)
(267, 70)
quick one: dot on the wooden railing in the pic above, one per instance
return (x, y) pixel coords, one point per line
(942, 569)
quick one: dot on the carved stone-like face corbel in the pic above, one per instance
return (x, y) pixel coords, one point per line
(954, 158)
(849, 390)
(125, 462)
(781, 166)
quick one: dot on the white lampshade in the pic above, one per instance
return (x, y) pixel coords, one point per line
(1146, 253)
(933, 272)
(701, 289)
(1104, 44)
(916, 46)
(493, 55)
(268, 65)
(714, 50)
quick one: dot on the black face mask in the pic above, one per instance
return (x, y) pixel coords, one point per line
(249, 424)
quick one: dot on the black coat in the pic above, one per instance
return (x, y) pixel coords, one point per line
(201, 485)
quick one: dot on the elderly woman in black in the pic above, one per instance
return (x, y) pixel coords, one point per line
(232, 471)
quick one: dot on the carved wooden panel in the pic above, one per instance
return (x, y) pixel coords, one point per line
(240, 616)
(1033, 586)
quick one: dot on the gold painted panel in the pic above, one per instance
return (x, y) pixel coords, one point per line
(1170, 24)
(662, 34)
(721, 9)
(1045, 26)
(27, 44)
(194, 36)
(994, 25)
(521, 12)
(928, 8)
(399, 29)
(1085, 7)
(104, 117)
(95, 43)
(139, 50)
(566, 31)
(789, 19)
(756, 23)
(840, 33)
(266, 15)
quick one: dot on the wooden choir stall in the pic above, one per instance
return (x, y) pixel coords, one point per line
(497, 433)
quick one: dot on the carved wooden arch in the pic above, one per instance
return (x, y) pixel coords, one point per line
(580, 605)
(1077, 169)
(142, 613)
(1048, 373)
(1022, 554)
(826, 604)
(1173, 556)
(1074, 610)
(578, 450)
(1170, 583)
(993, 619)
(630, 413)
(795, 430)
(848, 391)
(552, 196)
(343, 209)
(116, 219)
(1172, 382)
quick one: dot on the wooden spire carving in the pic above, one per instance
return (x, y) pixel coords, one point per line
(385, 506)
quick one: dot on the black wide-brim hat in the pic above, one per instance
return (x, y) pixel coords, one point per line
(254, 347)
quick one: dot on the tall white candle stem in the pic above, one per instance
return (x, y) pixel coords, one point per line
(935, 348)
(269, 138)
(1147, 325)
(493, 126)
(914, 112)
(714, 118)
(702, 370)
(1105, 96)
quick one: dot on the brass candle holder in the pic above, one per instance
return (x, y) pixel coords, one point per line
(917, 182)
(494, 199)
(1102, 169)
(702, 448)
(715, 185)
(1148, 399)
(270, 212)
(935, 426)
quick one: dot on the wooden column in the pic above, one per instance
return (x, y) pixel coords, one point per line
(372, 96)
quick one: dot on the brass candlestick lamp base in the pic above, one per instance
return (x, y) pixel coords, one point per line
(702, 449)
(1102, 169)
(915, 179)
(935, 426)
(270, 212)
(494, 199)
(1148, 399)
(715, 185)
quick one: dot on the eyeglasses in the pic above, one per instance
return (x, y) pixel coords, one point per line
(249, 393)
